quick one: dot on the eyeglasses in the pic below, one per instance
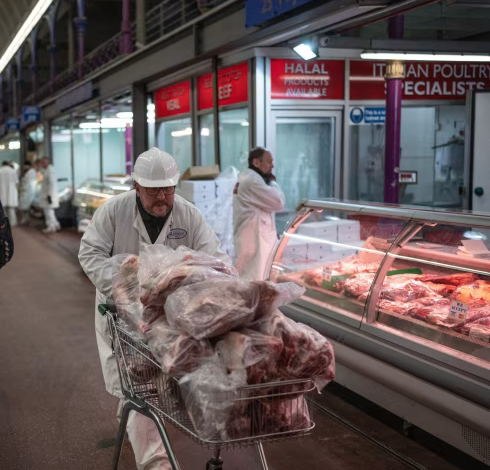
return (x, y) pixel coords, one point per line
(154, 191)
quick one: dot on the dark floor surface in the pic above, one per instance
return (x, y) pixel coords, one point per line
(56, 415)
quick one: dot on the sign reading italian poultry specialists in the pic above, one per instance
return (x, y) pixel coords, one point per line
(423, 80)
(172, 100)
(311, 80)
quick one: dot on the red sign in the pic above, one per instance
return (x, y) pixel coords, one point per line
(423, 80)
(172, 100)
(232, 87)
(312, 80)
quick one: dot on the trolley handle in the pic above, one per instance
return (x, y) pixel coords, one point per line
(104, 309)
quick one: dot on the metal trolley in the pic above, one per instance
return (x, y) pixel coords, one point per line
(154, 394)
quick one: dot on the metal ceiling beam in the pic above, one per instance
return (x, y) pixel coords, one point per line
(406, 45)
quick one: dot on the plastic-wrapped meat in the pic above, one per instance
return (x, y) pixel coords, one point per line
(477, 331)
(239, 424)
(313, 277)
(394, 307)
(212, 308)
(177, 353)
(433, 301)
(405, 291)
(358, 285)
(163, 270)
(125, 287)
(354, 266)
(453, 279)
(306, 353)
(253, 351)
(484, 321)
(282, 415)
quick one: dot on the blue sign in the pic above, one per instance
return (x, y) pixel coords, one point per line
(374, 115)
(368, 115)
(259, 11)
(356, 115)
(31, 114)
(12, 124)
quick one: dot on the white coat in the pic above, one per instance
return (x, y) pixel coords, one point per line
(117, 228)
(49, 187)
(254, 228)
(8, 186)
(27, 189)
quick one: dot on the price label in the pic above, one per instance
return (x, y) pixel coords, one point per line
(458, 310)
(480, 332)
(327, 273)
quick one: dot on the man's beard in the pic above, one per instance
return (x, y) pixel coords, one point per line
(154, 213)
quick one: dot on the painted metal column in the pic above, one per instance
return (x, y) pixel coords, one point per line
(81, 23)
(1, 98)
(394, 87)
(126, 42)
(18, 85)
(52, 65)
(34, 64)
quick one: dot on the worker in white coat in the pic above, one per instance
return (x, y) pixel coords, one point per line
(27, 191)
(8, 191)
(149, 214)
(49, 196)
(257, 198)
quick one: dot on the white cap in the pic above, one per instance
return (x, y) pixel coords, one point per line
(155, 169)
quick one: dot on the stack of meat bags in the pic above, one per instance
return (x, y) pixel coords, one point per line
(216, 334)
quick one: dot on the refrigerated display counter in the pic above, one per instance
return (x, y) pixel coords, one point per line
(93, 193)
(404, 295)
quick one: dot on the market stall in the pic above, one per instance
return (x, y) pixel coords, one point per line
(403, 293)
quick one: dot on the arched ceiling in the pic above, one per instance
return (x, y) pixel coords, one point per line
(12, 14)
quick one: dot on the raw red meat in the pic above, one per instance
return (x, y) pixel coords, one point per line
(176, 352)
(442, 289)
(453, 279)
(358, 284)
(405, 291)
(253, 351)
(139, 370)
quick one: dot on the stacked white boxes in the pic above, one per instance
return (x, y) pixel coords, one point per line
(317, 235)
(201, 193)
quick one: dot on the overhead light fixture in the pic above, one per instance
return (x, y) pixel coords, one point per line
(125, 115)
(425, 57)
(34, 16)
(305, 51)
(182, 133)
(89, 125)
(14, 145)
(205, 132)
(244, 124)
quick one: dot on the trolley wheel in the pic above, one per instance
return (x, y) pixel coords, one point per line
(215, 464)
(408, 429)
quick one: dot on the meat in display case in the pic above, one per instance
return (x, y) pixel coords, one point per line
(407, 288)
(93, 193)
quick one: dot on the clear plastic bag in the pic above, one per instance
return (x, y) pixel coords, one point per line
(251, 351)
(163, 270)
(177, 353)
(306, 354)
(212, 308)
(209, 393)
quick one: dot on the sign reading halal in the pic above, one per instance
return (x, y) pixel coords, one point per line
(423, 80)
(232, 87)
(173, 99)
(313, 80)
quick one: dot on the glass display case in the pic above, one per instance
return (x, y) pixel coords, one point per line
(93, 193)
(421, 276)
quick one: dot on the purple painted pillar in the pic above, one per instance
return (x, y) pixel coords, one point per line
(52, 65)
(80, 24)
(394, 89)
(128, 140)
(126, 44)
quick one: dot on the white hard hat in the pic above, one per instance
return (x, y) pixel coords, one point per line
(155, 169)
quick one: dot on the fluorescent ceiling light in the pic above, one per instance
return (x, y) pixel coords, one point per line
(2, 146)
(244, 123)
(89, 125)
(187, 131)
(34, 16)
(205, 132)
(425, 57)
(150, 107)
(304, 51)
(14, 145)
(125, 115)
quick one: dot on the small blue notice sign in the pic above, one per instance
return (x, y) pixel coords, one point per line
(360, 115)
(12, 124)
(259, 11)
(31, 114)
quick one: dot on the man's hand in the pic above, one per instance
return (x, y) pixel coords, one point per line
(49, 200)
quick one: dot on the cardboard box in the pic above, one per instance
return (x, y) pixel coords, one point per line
(200, 173)
(295, 250)
(198, 197)
(205, 208)
(348, 230)
(325, 230)
(193, 187)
